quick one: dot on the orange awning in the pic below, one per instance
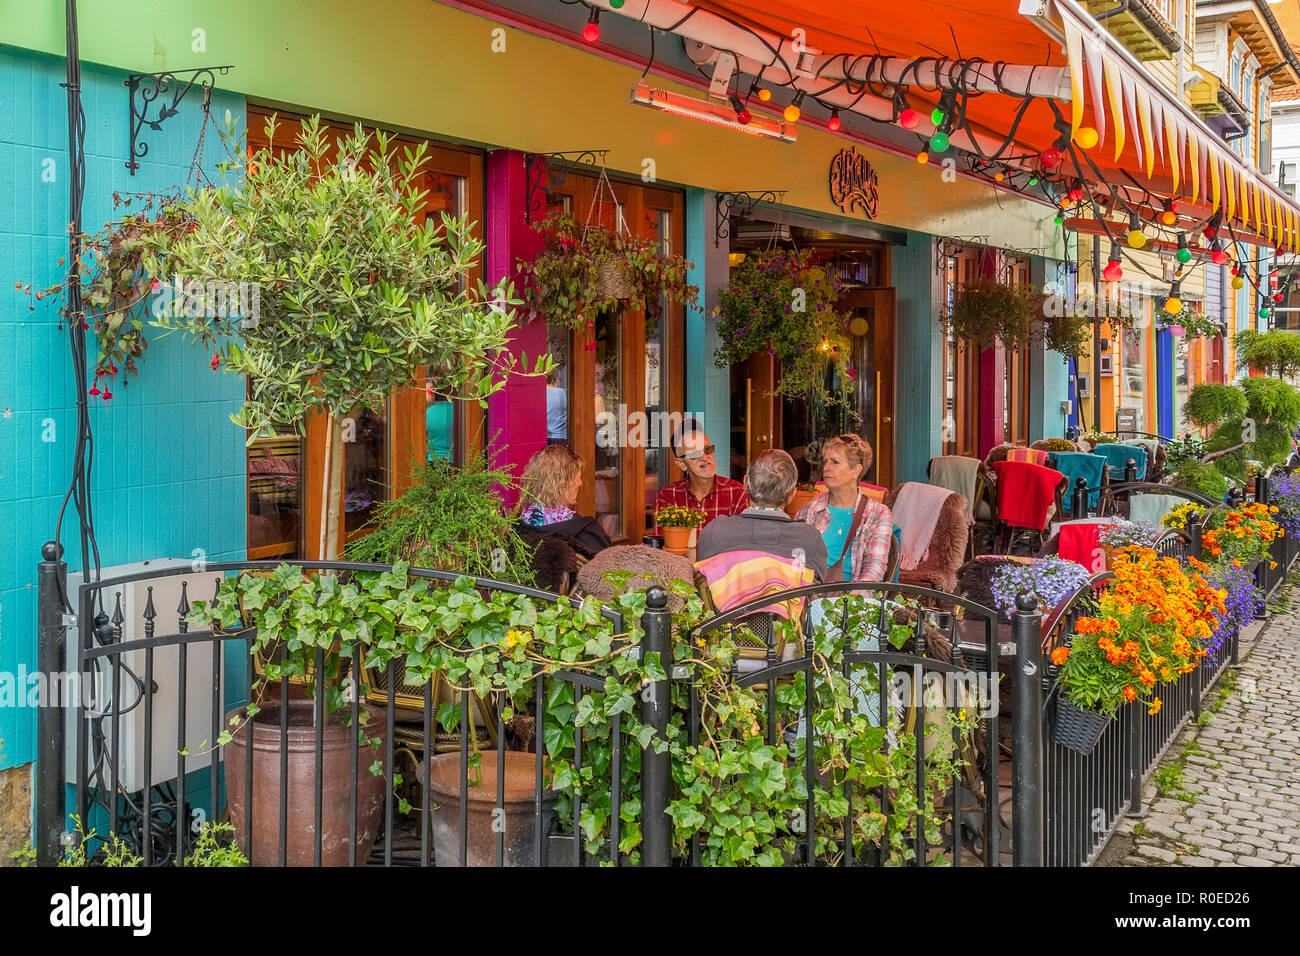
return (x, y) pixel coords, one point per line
(1148, 139)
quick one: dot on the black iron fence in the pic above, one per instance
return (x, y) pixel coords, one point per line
(303, 790)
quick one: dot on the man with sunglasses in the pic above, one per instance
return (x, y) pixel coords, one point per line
(701, 488)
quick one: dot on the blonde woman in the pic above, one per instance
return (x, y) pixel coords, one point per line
(550, 484)
(856, 528)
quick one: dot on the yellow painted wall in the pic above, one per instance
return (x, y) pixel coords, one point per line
(419, 66)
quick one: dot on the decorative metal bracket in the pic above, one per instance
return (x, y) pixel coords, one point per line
(538, 165)
(746, 202)
(151, 86)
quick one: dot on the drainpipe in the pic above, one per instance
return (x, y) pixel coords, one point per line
(1123, 7)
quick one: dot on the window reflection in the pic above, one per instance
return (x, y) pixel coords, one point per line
(609, 452)
(275, 496)
(365, 465)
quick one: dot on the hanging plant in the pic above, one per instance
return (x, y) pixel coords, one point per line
(781, 302)
(117, 273)
(585, 270)
(988, 312)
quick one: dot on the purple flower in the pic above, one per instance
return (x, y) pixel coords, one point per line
(1048, 579)
(1284, 491)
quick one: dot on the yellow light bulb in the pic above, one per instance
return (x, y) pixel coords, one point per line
(1173, 305)
(792, 114)
(1169, 218)
(1137, 239)
(764, 95)
(922, 158)
(1238, 282)
(999, 177)
(1086, 137)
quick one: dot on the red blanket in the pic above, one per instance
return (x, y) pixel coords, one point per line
(1025, 492)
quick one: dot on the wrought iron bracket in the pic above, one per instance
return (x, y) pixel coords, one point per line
(148, 87)
(538, 165)
(746, 202)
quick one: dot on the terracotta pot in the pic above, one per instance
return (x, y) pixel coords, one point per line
(517, 819)
(677, 539)
(336, 791)
(800, 499)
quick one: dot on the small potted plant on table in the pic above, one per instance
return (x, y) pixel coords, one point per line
(677, 524)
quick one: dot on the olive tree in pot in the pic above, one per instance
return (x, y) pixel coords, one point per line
(358, 292)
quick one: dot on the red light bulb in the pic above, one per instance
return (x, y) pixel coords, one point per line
(1210, 232)
(833, 124)
(1113, 272)
(1278, 297)
(1075, 194)
(909, 118)
(1050, 157)
(1219, 257)
(591, 32)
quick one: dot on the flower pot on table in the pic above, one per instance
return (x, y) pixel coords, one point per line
(677, 540)
(1077, 729)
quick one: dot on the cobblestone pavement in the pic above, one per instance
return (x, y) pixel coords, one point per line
(1228, 792)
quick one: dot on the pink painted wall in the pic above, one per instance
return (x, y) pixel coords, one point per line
(516, 415)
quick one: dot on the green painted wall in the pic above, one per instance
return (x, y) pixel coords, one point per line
(918, 390)
(1049, 375)
(708, 388)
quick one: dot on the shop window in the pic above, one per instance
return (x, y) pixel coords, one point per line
(1133, 389)
(961, 367)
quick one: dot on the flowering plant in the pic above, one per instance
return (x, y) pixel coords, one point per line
(1049, 580)
(1284, 493)
(1242, 598)
(1150, 626)
(1128, 534)
(675, 516)
(1243, 535)
(785, 303)
(1178, 517)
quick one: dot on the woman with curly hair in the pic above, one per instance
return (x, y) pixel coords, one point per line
(857, 529)
(550, 484)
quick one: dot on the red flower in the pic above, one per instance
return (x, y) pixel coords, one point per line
(107, 394)
(85, 326)
(155, 286)
(216, 360)
(94, 389)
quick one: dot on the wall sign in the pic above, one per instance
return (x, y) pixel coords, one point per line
(854, 183)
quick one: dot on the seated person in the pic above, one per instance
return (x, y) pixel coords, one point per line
(701, 488)
(856, 528)
(550, 484)
(764, 526)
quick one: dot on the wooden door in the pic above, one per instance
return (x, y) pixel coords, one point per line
(874, 351)
(762, 407)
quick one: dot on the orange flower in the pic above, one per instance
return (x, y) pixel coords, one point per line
(1155, 707)
(1060, 655)
(1129, 693)
(1147, 677)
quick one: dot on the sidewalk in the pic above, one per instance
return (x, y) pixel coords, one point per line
(1228, 792)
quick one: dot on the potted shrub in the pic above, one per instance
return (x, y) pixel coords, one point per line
(358, 294)
(1150, 627)
(677, 524)
(1114, 538)
(987, 312)
(584, 270)
(782, 302)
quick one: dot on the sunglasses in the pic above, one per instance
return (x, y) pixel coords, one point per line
(699, 453)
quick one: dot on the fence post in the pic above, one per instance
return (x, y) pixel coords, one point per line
(1194, 535)
(1079, 503)
(1136, 767)
(1130, 471)
(50, 800)
(1261, 489)
(1027, 735)
(656, 702)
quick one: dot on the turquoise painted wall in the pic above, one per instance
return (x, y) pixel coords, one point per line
(918, 390)
(708, 388)
(169, 464)
(1049, 373)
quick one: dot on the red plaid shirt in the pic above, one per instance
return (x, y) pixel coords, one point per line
(727, 498)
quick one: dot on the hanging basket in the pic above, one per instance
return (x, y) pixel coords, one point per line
(612, 281)
(1077, 729)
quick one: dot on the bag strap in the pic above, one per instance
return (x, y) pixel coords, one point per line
(836, 571)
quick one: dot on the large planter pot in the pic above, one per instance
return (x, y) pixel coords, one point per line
(612, 281)
(516, 822)
(1077, 729)
(677, 539)
(339, 742)
(800, 499)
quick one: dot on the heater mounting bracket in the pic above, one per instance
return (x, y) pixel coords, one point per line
(746, 202)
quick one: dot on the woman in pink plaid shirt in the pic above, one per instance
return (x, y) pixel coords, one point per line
(844, 461)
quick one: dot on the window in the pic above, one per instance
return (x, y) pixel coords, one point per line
(961, 367)
(1133, 388)
(1265, 150)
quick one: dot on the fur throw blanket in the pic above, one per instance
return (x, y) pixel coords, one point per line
(554, 556)
(649, 566)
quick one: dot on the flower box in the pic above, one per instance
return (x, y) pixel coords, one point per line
(1077, 729)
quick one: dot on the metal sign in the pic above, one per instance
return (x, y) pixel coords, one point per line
(854, 183)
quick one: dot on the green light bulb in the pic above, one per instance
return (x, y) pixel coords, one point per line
(1183, 255)
(1033, 180)
(1059, 220)
(615, 4)
(939, 142)
(936, 116)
